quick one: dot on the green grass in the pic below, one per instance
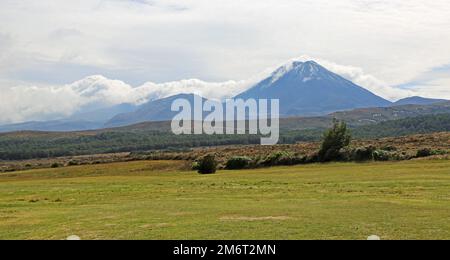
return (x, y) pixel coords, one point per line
(155, 200)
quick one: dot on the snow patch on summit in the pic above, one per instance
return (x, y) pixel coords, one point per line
(307, 71)
(280, 72)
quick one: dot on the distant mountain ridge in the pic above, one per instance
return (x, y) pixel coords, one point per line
(364, 116)
(158, 110)
(357, 117)
(418, 101)
(55, 125)
(103, 115)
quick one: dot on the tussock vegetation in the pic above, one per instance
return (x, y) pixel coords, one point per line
(385, 149)
(337, 147)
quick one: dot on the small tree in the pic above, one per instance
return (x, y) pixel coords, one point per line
(207, 165)
(334, 140)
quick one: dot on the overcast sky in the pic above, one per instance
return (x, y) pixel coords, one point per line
(395, 48)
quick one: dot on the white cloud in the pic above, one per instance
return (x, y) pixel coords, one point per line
(20, 104)
(434, 88)
(24, 103)
(216, 40)
(48, 42)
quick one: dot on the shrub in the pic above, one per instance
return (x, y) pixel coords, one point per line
(429, 152)
(257, 162)
(424, 153)
(55, 165)
(313, 158)
(284, 158)
(238, 162)
(207, 165)
(439, 152)
(334, 140)
(346, 154)
(272, 159)
(363, 154)
(291, 159)
(382, 155)
(72, 163)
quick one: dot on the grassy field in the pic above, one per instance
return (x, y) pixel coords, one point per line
(157, 200)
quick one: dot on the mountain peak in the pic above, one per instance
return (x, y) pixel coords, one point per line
(309, 64)
(304, 71)
(307, 88)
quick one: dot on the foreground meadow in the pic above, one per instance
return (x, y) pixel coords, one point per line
(160, 200)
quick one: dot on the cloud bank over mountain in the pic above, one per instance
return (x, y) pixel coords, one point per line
(25, 103)
(49, 44)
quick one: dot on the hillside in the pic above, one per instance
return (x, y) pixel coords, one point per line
(374, 115)
(158, 110)
(57, 125)
(27, 145)
(418, 101)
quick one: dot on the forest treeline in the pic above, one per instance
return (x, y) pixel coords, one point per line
(20, 147)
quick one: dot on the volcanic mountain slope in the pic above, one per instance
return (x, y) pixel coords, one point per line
(307, 89)
(158, 110)
(303, 88)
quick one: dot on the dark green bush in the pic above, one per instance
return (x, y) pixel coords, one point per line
(55, 165)
(439, 152)
(313, 158)
(424, 153)
(429, 152)
(238, 162)
(207, 165)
